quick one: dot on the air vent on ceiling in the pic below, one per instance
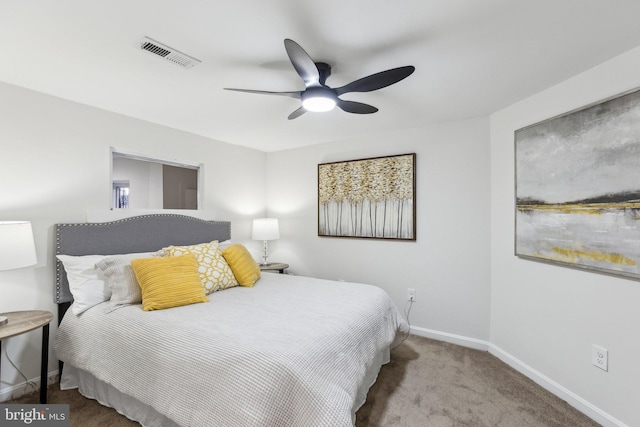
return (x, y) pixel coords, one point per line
(168, 54)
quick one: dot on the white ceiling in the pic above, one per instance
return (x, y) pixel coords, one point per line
(472, 57)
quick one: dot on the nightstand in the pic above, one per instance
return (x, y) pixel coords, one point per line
(274, 266)
(20, 322)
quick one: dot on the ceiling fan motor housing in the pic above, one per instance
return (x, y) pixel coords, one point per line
(324, 71)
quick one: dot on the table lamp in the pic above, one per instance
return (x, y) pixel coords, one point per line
(265, 229)
(17, 248)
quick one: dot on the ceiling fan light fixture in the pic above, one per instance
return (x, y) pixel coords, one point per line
(318, 99)
(318, 104)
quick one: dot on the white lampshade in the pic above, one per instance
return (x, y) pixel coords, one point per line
(265, 229)
(17, 248)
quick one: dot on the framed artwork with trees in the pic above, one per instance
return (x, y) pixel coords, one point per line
(370, 198)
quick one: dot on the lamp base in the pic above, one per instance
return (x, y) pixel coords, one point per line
(265, 253)
(3, 320)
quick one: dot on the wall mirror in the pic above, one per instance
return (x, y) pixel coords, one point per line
(140, 182)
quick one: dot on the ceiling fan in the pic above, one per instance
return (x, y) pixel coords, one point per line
(319, 97)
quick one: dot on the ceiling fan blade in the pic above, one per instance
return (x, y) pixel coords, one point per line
(356, 107)
(302, 62)
(300, 111)
(377, 81)
(295, 95)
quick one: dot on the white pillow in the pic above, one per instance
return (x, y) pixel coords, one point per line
(86, 283)
(225, 244)
(121, 279)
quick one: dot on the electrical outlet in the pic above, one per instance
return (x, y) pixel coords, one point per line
(600, 357)
(411, 294)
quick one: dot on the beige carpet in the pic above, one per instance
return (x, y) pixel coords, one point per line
(427, 383)
(433, 383)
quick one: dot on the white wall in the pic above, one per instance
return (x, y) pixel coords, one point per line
(448, 265)
(547, 316)
(54, 167)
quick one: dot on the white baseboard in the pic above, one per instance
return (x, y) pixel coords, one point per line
(450, 338)
(548, 384)
(21, 389)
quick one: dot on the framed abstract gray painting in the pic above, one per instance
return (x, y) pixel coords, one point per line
(368, 198)
(578, 188)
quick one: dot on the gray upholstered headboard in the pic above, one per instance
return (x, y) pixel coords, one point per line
(145, 233)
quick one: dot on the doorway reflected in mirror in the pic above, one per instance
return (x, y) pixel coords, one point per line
(148, 183)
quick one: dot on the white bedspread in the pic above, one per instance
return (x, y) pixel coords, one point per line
(291, 351)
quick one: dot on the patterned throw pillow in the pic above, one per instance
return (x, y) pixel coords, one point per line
(215, 273)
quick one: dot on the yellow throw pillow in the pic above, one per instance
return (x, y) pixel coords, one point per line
(215, 273)
(242, 264)
(168, 282)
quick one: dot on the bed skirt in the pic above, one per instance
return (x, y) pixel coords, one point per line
(92, 388)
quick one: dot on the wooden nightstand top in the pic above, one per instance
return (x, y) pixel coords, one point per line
(20, 322)
(274, 266)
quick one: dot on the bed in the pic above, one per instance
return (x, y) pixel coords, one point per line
(287, 351)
